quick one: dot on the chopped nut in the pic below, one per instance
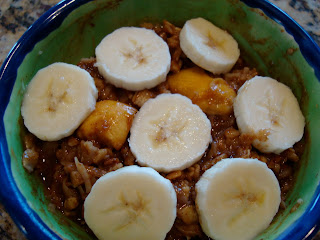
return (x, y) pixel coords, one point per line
(174, 175)
(140, 97)
(76, 179)
(188, 214)
(30, 159)
(71, 203)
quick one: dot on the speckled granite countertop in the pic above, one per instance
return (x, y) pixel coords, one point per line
(17, 15)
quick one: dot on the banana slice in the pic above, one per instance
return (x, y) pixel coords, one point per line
(169, 133)
(268, 110)
(209, 46)
(237, 199)
(133, 58)
(58, 98)
(131, 203)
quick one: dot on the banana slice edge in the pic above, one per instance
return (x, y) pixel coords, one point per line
(233, 203)
(209, 46)
(169, 133)
(265, 106)
(133, 58)
(57, 99)
(131, 203)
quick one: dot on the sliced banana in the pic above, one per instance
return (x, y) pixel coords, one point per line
(133, 58)
(169, 133)
(209, 46)
(268, 110)
(237, 199)
(58, 98)
(131, 203)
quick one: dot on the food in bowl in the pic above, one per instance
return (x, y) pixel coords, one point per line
(71, 166)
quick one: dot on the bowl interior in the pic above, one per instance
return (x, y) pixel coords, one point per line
(264, 44)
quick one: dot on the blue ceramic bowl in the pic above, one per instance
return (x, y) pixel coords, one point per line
(72, 29)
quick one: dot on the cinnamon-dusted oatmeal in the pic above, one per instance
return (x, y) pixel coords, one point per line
(68, 181)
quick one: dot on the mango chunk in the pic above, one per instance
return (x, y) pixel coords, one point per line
(212, 95)
(108, 124)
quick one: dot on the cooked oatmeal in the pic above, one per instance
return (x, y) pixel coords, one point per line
(67, 183)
